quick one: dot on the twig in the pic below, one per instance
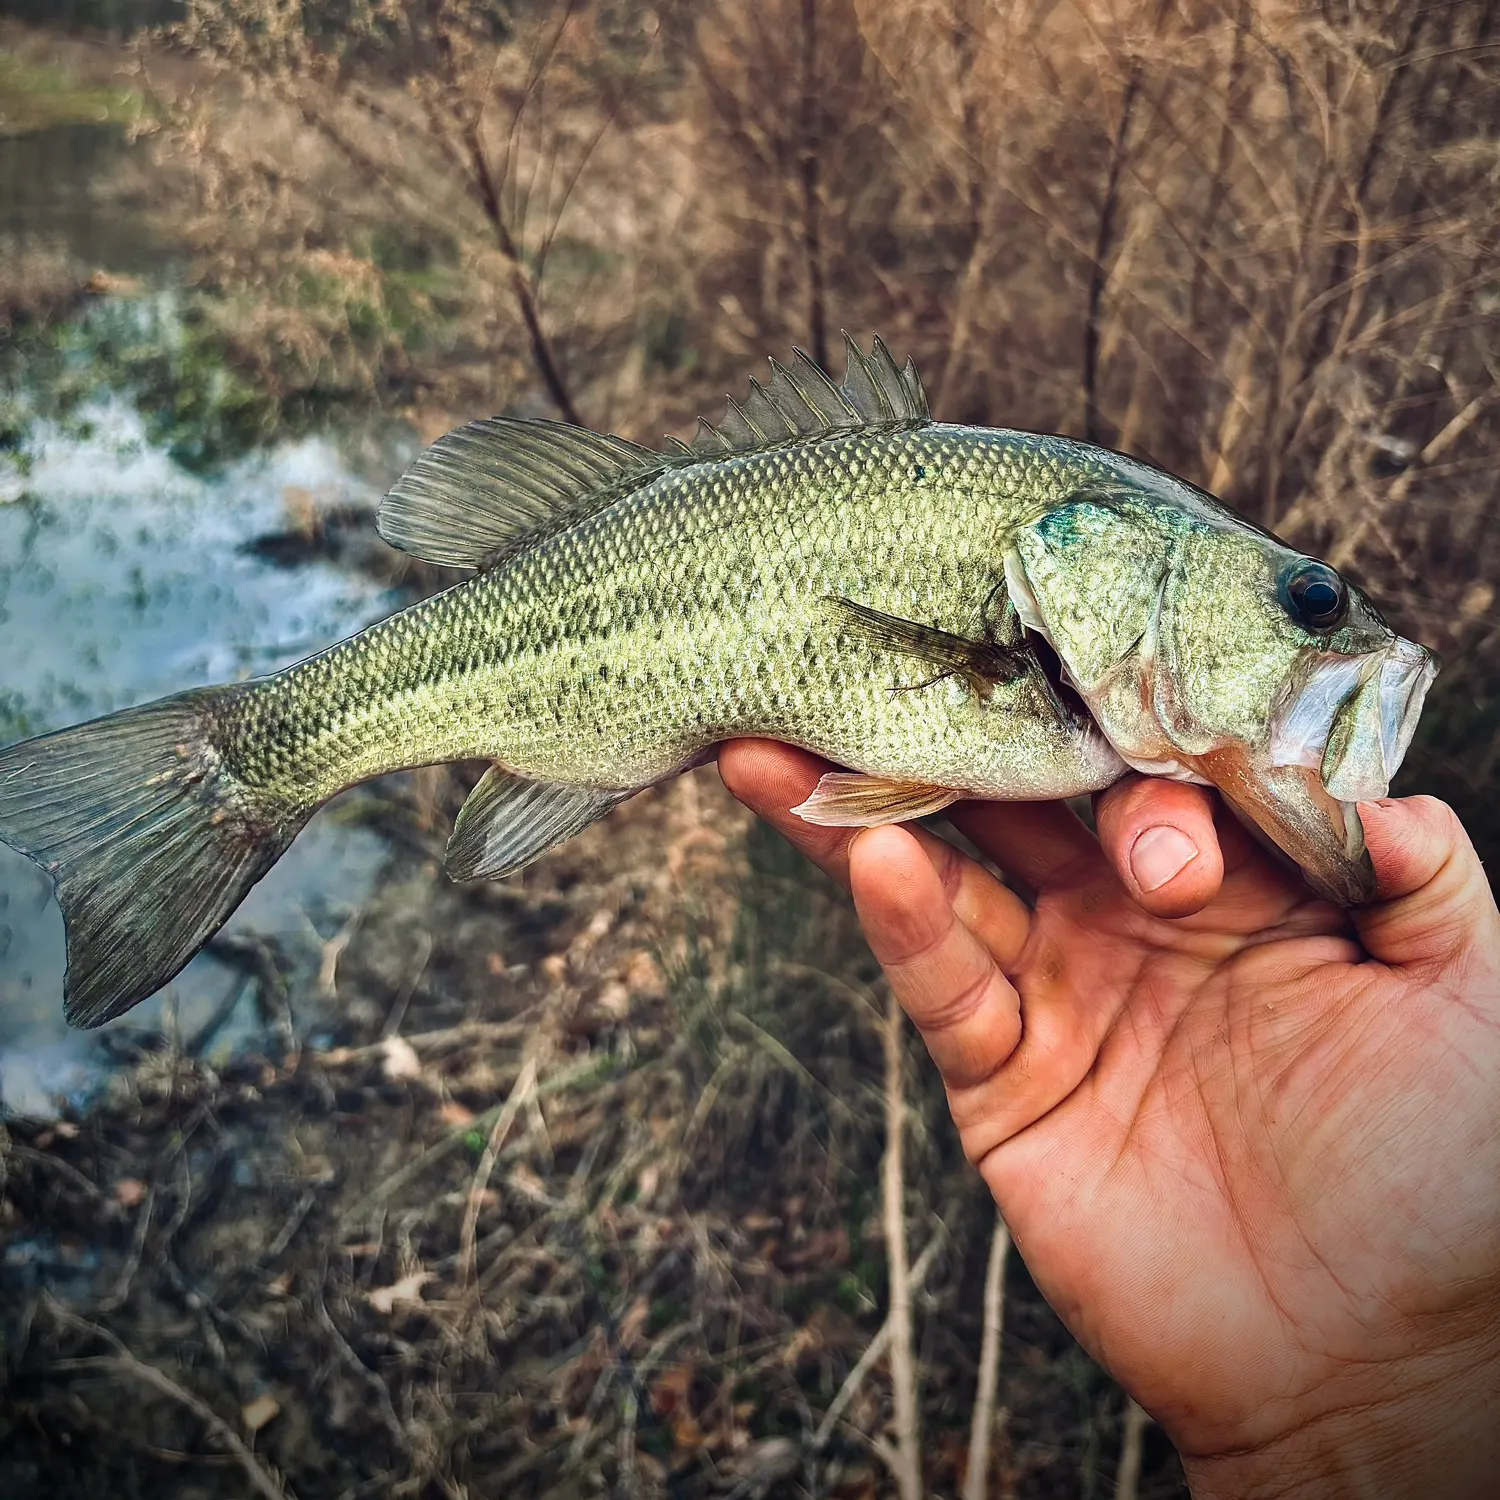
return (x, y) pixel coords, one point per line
(121, 1291)
(397, 1013)
(484, 188)
(521, 1091)
(360, 1370)
(292, 1224)
(458, 1134)
(907, 1467)
(123, 1362)
(465, 1034)
(64, 1168)
(871, 1356)
(333, 950)
(982, 1428)
(1128, 1478)
(1100, 268)
(196, 1045)
(808, 170)
(1348, 544)
(211, 1317)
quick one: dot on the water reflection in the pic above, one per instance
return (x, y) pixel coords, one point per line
(122, 577)
(58, 195)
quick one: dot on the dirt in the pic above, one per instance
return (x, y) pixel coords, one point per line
(579, 1198)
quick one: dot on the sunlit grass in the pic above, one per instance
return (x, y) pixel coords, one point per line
(41, 96)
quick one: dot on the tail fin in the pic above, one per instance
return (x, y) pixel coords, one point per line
(150, 843)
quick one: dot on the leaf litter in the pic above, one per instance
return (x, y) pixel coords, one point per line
(594, 1209)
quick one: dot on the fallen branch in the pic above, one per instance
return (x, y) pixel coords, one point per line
(1128, 1476)
(871, 1356)
(521, 1091)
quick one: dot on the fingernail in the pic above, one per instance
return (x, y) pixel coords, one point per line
(1159, 854)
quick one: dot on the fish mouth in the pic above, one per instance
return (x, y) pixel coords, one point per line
(1292, 813)
(1354, 717)
(1339, 742)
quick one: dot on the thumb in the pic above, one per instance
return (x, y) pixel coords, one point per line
(1434, 903)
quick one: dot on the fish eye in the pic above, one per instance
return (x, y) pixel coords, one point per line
(1314, 596)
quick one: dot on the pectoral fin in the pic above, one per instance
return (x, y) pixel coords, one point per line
(508, 821)
(980, 664)
(846, 799)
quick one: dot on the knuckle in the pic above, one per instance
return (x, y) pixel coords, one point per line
(948, 1013)
(906, 954)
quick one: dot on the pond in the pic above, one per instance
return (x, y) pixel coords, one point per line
(129, 510)
(124, 577)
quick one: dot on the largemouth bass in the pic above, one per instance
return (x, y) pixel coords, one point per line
(947, 611)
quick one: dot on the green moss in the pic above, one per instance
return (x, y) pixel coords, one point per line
(40, 96)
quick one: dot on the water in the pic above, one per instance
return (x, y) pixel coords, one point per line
(124, 514)
(114, 15)
(123, 577)
(59, 196)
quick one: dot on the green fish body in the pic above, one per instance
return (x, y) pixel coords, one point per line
(948, 611)
(700, 606)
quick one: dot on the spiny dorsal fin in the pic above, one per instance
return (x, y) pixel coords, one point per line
(802, 402)
(477, 491)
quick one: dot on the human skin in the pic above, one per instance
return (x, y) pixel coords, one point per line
(1248, 1143)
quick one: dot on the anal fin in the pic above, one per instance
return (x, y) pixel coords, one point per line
(846, 799)
(508, 821)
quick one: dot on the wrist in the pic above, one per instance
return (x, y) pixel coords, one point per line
(1430, 1427)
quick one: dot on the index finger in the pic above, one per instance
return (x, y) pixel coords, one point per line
(945, 978)
(771, 779)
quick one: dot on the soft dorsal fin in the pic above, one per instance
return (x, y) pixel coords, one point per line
(477, 491)
(802, 402)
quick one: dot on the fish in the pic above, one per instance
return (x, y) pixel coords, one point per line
(942, 611)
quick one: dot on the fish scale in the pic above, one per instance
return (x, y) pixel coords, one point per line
(945, 610)
(691, 610)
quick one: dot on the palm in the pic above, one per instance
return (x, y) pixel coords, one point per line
(1242, 1158)
(1216, 1107)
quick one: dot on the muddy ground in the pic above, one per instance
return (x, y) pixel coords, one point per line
(578, 1196)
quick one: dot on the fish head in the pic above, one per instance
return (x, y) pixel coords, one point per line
(1210, 651)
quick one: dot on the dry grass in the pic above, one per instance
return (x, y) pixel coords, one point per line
(586, 1197)
(640, 1155)
(1255, 241)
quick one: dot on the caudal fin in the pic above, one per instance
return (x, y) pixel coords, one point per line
(150, 843)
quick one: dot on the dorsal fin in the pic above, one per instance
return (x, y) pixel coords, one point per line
(802, 402)
(477, 491)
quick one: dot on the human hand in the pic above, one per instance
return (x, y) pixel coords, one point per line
(1248, 1143)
